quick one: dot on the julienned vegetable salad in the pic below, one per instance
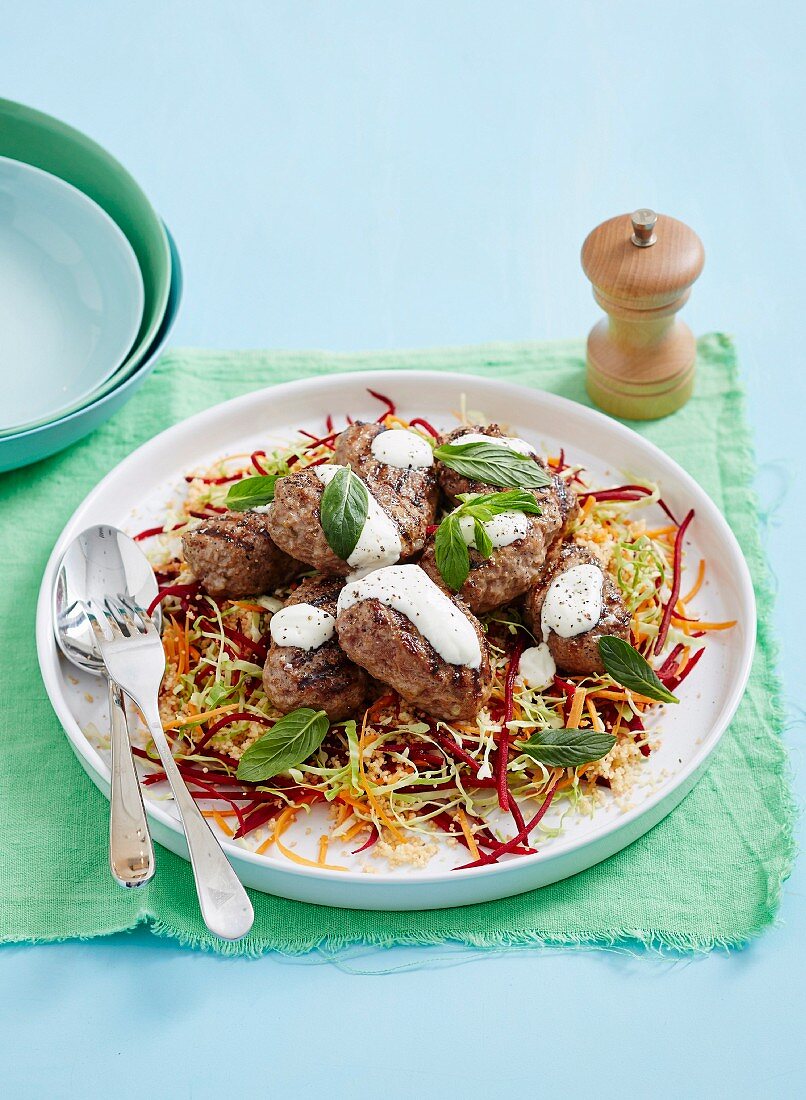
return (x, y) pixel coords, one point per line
(393, 780)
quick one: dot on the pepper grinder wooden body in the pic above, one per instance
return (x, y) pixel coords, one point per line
(641, 358)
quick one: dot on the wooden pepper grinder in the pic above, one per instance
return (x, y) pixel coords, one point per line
(641, 358)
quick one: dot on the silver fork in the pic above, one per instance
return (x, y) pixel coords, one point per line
(132, 651)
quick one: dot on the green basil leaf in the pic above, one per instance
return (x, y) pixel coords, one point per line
(567, 748)
(628, 668)
(289, 742)
(450, 550)
(493, 504)
(252, 492)
(493, 464)
(343, 512)
(482, 539)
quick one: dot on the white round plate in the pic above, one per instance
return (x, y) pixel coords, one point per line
(134, 494)
(71, 295)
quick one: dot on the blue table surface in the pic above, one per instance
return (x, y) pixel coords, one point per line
(351, 175)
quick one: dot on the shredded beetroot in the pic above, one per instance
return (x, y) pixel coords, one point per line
(523, 834)
(374, 836)
(256, 818)
(391, 408)
(675, 681)
(670, 663)
(184, 590)
(210, 511)
(227, 720)
(326, 441)
(451, 748)
(677, 562)
(502, 759)
(329, 423)
(254, 458)
(418, 422)
(432, 528)
(662, 503)
(150, 532)
(258, 650)
(213, 480)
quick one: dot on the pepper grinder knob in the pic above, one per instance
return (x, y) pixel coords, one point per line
(641, 358)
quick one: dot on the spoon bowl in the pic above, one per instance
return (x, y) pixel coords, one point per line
(100, 560)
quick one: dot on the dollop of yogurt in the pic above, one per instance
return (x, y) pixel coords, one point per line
(512, 441)
(407, 589)
(379, 542)
(537, 667)
(573, 603)
(503, 529)
(403, 449)
(302, 625)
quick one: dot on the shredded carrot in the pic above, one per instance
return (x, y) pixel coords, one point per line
(306, 862)
(355, 829)
(390, 419)
(246, 606)
(177, 723)
(596, 721)
(324, 841)
(656, 532)
(695, 625)
(221, 823)
(621, 696)
(576, 708)
(361, 807)
(218, 813)
(697, 584)
(471, 840)
(288, 815)
(343, 814)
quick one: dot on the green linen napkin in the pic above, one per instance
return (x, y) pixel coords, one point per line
(709, 874)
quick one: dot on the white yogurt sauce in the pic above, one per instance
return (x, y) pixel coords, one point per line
(302, 625)
(403, 449)
(379, 541)
(503, 529)
(537, 667)
(407, 589)
(511, 441)
(573, 602)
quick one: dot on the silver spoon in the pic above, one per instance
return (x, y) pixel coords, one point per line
(80, 578)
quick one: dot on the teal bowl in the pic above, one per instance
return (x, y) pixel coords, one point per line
(47, 143)
(35, 443)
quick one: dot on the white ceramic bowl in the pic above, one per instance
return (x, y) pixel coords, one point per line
(133, 495)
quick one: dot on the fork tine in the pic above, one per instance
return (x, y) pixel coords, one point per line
(118, 616)
(102, 623)
(141, 617)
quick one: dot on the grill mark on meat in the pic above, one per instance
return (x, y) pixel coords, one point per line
(322, 678)
(391, 648)
(234, 555)
(409, 497)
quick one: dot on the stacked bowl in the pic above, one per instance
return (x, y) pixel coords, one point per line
(90, 285)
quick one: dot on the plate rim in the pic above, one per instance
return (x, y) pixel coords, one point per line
(46, 644)
(123, 244)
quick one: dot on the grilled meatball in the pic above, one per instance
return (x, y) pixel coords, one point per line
(502, 578)
(388, 645)
(234, 555)
(511, 570)
(579, 655)
(410, 496)
(323, 678)
(295, 526)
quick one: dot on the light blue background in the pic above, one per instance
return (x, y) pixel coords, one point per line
(389, 174)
